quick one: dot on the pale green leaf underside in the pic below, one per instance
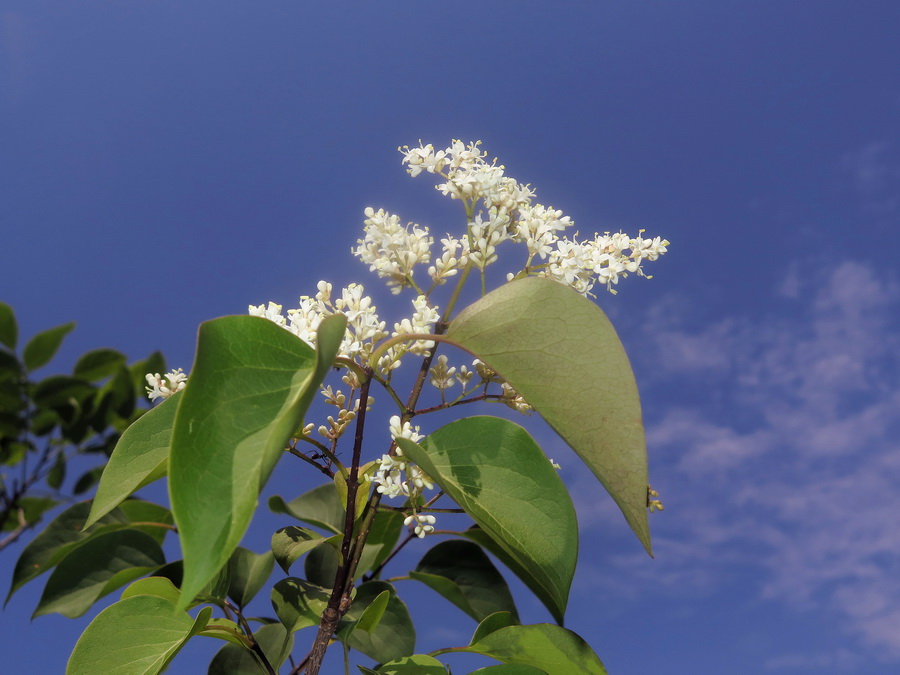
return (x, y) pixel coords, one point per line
(248, 391)
(561, 353)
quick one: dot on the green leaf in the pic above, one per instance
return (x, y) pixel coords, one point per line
(249, 389)
(298, 603)
(320, 506)
(489, 624)
(247, 574)
(560, 352)
(60, 537)
(373, 614)
(417, 664)
(32, 508)
(57, 473)
(290, 543)
(495, 471)
(362, 491)
(161, 587)
(394, 636)
(98, 364)
(464, 575)
(139, 635)
(141, 456)
(100, 565)
(553, 649)
(43, 346)
(155, 363)
(509, 670)
(484, 540)
(9, 329)
(154, 517)
(274, 641)
(383, 535)
(87, 480)
(321, 564)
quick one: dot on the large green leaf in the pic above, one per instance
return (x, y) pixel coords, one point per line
(232, 659)
(140, 457)
(43, 346)
(250, 386)
(561, 353)
(247, 572)
(553, 649)
(100, 565)
(464, 575)
(495, 471)
(9, 329)
(136, 636)
(393, 637)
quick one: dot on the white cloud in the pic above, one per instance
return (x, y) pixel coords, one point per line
(793, 457)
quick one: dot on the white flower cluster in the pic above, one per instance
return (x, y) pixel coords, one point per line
(164, 387)
(507, 213)
(392, 250)
(602, 259)
(389, 475)
(364, 327)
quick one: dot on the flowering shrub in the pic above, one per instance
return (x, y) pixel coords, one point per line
(535, 344)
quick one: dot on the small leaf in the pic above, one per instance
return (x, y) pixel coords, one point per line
(362, 491)
(139, 636)
(298, 603)
(509, 670)
(495, 471)
(372, 614)
(383, 535)
(393, 638)
(232, 659)
(489, 624)
(250, 386)
(158, 586)
(9, 329)
(551, 648)
(43, 346)
(32, 508)
(155, 363)
(417, 664)
(87, 480)
(464, 575)
(289, 544)
(140, 457)
(60, 537)
(98, 364)
(247, 573)
(321, 564)
(560, 352)
(57, 473)
(100, 565)
(320, 506)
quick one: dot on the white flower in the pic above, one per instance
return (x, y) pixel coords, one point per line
(423, 158)
(404, 430)
(160, 387)
(555, 465)
(441, 375)
(424, 524)
(272, 312)
(422, 321)
(392, 250)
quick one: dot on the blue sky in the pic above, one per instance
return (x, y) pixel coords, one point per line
(166, 163)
